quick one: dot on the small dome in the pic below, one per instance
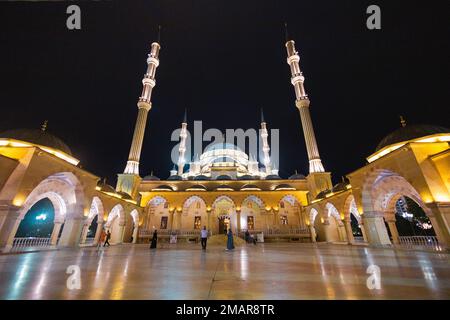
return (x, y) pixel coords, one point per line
(223, 177)
(284, 186)
(37, 136)
(163, 187)
(151, 177)
(246, 177)
(273, 177)
(297, 176)
(410, 132)
(250, 187)
(175, 177)
(322, 194)
(201, 177)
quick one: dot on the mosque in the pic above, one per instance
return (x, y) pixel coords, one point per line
(406, 179)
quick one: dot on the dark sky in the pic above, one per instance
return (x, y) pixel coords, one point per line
(223, 60)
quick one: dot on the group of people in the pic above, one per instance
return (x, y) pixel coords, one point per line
(203, 237)
(104, 239)
(106, 236)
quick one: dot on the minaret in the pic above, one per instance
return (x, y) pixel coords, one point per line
(317, 182)
(302, 103)
(182, 147)
(265, 148)
(128, 181)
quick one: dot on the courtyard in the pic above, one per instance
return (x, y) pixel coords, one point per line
(265, 271)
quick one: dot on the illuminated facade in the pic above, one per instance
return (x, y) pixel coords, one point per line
(224, 187)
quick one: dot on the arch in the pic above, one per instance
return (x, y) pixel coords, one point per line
(313, 213)
(250, 216)
(334, 230)
(194, 213)
(157, 214)
(350, 208)
(223, 212)
(116, 223)
(95, 215)
(66, 194)
(290, 209)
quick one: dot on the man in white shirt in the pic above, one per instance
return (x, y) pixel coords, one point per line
(204, 236)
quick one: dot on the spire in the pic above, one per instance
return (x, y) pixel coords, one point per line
(159, 34)
(262, 116)
(44, 125)
(185, 116)
(286, 32)
(402, 121)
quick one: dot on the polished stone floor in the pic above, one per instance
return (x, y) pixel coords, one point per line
(265, 271)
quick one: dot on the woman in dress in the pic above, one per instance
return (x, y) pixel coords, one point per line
(154, 240)
(230, 243)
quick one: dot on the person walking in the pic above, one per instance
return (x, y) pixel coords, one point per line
(108, 236)
(154, 240)
(204, 237)
(230, 242)
(102, 239)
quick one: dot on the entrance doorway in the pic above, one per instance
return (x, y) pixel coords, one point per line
(224, 224)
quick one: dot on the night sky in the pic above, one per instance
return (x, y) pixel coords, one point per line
(223, 60)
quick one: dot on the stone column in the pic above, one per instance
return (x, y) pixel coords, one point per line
(276, 220)
(55, 233)
(440, 219)
(342, 233)
(363, 231)
(394, 232)
(326, 229)
(71, 234)
(12, 235)
(135, 233)
(349, 232)
(98, 232)
(238, 221)
(9, 223)
(313, 233)
(84, 232)
(375, 228)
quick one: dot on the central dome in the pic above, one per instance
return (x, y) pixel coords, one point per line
(38, 137)
(410, 132)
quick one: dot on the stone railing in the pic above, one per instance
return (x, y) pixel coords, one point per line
(31, 242)
(429, 242)
(167, 232)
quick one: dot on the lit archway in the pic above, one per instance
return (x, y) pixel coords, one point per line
(223, 215)
(252, 214)
(334, 225)
(158, 215)
(290, 213)
(194, 214)
(116, 223)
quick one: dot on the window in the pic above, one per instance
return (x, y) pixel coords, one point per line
(283, 220)
(198, 222)
(282, 205)
(166, 205)
(250, 223)
(163, 223)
